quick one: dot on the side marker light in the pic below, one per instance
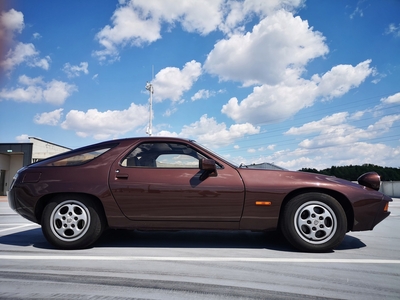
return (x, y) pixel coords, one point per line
(263, 203)
(386, 208)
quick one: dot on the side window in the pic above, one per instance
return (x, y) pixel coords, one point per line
(163, 155)
(79, 159)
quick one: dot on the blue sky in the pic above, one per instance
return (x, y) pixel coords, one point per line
(302, 84)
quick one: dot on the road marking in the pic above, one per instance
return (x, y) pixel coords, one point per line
(17, 227)
(203, 259)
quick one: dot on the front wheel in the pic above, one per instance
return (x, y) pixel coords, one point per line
(72, 222)
(314, 222)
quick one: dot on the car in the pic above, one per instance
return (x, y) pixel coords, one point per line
(153, 183)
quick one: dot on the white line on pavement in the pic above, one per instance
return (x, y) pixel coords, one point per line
(205, 259)
(17, 227)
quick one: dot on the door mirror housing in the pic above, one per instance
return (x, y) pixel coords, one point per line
(209, 167)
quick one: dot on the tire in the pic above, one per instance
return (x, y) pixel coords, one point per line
(314, 222)
(72, 222)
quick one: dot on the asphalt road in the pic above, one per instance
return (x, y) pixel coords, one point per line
(197, 265)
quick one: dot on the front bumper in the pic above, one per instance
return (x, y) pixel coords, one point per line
(370, 213)
(16, 204)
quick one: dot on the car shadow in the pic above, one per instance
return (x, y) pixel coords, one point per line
(194, 239)
(31, 237)
(208, 239)
(350, 242)
(177, 239)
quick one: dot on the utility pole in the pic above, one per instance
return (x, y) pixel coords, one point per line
(149, 87)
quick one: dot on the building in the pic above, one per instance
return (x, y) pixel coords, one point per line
(14, 156)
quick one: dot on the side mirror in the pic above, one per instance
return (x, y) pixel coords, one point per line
(209, 167)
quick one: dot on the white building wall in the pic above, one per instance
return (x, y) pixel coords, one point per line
(43, 149)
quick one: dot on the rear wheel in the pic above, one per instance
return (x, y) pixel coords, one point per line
(314, 222)
(72, 222)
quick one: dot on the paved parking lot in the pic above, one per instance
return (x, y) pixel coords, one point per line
(197, 265)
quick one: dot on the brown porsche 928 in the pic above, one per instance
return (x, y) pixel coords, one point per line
(170, 183)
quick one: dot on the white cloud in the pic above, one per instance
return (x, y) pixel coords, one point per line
(272, 103)
(210, 133)
(23, 138)
(139, 22)
(317, 126)
(205, 94)
(202, 94)
(49, 118)
(57, 91)
(237, 12)
(35, 90)
(102, 125)
(43, 63)
(383, 125)
(393, 99)
(357, 11)
(170, 112)
(279, 42)
(12, 22)
(357, 153)
(275, 103)
(393, 29)
(37, 36)
(75, 71)
(340, 79)
(25, 80)
(171, 83)
(18, 55)
(333, 140)
(335, 130)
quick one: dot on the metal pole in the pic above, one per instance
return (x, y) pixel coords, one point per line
(149, 87)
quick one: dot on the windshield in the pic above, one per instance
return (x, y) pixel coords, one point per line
(265, 165)
(217, 155)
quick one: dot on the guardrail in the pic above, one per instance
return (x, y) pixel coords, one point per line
(390, 188)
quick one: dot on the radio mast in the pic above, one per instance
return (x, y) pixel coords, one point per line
(149, 87)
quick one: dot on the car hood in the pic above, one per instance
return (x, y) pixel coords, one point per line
(298, 179)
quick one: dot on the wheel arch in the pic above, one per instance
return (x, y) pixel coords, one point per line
(342, 199)
(42, 202)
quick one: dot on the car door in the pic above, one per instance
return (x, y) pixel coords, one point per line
(161, 181)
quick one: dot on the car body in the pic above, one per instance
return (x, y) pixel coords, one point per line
(171, 183)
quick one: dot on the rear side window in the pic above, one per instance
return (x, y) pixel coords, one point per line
(80, 158)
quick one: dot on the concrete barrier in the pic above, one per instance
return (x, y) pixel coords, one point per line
(390, 188)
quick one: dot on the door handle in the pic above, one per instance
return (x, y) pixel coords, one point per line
(120, 175)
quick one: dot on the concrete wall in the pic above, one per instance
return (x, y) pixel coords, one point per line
(391, 188)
